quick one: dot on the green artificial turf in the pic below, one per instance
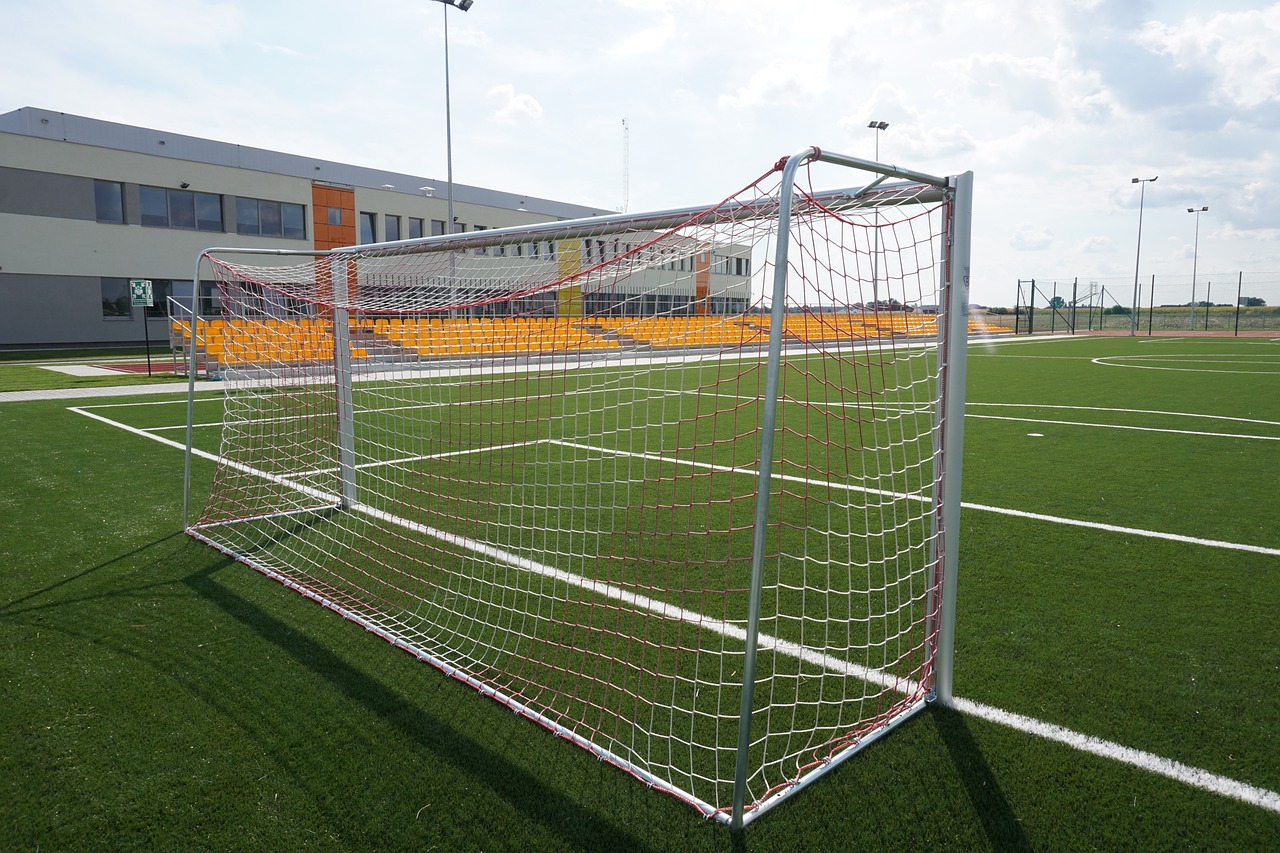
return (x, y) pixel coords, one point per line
(156, 695)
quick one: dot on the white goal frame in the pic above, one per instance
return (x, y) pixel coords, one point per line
(753, 790)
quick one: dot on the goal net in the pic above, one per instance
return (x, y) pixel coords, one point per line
(681, 487)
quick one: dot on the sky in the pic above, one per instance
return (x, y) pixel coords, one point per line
(1054, 105)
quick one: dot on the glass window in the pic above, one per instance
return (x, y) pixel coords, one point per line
(155, 207)
(247, 216)
(334, 216)
(293, 218)
(182, 209)
(185, 209)
(393, 228)
(161, 290)
(108, 201)
(115, 299)
(437, 227)
(208, 212)
(368, 227)
(415, 228)
(269, 219)
(459, 227)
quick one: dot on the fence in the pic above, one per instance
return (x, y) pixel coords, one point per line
(1228, 303)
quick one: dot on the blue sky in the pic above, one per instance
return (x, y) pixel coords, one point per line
(1054, 106)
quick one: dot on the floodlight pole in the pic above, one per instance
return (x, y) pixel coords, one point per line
(1133, 311)
(1195, 260)
(877, 126)
(462, 5)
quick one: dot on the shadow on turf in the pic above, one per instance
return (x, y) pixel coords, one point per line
(13, 608)
(1002, 827)
(490, 768)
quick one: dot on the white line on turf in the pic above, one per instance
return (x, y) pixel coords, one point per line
(1123, 426)
(1185, 774)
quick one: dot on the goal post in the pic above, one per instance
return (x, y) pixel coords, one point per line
(682, 487)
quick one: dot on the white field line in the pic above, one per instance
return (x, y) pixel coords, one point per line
(1204, 363)
(1123, 426)
(1158, 765)
(1166, 767)
(1125, 411)
(1187, 775)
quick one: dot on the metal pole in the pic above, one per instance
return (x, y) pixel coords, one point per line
(1239, 290)
(146, 336)
(448, 119)
(1195, 261)
(1075, 283)
(345, 405)
(191, 394)
(1208, 303)
(1151, 304)
(1031, 310)
(760, 532)
(1133, 318)
(1053, 315)
(877, 126)
(1017, 310)
(952, 415)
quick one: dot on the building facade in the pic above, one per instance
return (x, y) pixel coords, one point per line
(86, 206)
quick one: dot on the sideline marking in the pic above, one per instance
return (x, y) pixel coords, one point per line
(1191, 776)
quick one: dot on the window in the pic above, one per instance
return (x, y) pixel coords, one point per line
(393, 228)
(415, 228)
(108, 201)
(161, 290)
(333, 215)
(116, 302)
(184, 209)
(437, 227)
(155, 207)
(368, 227)
(208, 212)
(262, 218)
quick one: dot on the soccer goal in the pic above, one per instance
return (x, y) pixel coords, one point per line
(682, 487)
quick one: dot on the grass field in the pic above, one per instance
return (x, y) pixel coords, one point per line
(1120, 576)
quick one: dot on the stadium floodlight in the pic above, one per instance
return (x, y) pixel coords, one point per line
(567, 483)
(1133, 311)
(461, 5)
(877, 126)
(1195, 259)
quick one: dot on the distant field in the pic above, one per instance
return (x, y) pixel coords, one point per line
(1117, 649)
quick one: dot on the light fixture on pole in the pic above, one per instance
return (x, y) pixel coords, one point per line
(1142, 198)
(461, 5)
(877, 126)
(1195, 260)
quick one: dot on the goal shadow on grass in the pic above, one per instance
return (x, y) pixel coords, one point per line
(568, 817)
(1002, 827)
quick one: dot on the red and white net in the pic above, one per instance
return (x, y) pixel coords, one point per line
(547, 483)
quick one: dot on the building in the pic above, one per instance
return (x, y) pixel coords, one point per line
(86, 206)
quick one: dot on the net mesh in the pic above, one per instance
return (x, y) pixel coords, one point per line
(531, 458)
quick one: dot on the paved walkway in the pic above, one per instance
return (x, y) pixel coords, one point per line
(105, 391)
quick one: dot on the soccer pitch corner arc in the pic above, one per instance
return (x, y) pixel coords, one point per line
(681, 486)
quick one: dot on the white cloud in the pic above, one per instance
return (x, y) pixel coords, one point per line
(1238, 49)
(1031, 238)
(513, 107)
(782, 81)
(1096, 244)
